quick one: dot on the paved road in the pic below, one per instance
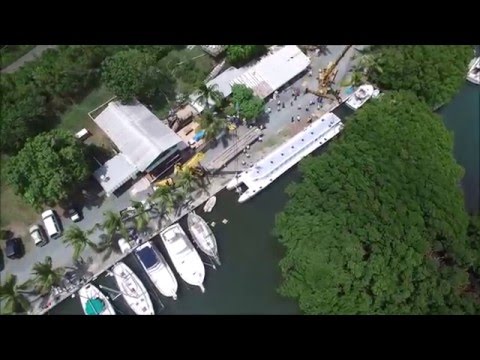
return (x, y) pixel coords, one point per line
(31, 55)
(276, 123)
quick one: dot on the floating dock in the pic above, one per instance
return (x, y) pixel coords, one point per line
(267, 170)
(231, 152)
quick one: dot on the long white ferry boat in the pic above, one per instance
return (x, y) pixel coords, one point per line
(267, 170)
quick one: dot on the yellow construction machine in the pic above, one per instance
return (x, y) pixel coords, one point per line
(326, 78)
(193, 164)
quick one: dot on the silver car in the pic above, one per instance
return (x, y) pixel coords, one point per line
(38, 235)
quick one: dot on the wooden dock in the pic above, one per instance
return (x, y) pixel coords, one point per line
(231, 152)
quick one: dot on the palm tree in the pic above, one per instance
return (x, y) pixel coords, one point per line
(112, 224)
(12, 296)
(357, 78)
(186, 180)
(165, 196)
(76, 237)
(46, 277)
(212, 125)
(367, 63)
(141, 217)
(209, 93)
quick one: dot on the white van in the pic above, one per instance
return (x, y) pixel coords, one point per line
(52, 225)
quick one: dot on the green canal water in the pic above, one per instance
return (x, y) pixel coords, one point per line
(248, 279)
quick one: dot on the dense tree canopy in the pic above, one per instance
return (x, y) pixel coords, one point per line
(250, 106)
(133, 73)
(48, 167)
(433, 73)
(377, 225)
(239, 55)
(35, 95)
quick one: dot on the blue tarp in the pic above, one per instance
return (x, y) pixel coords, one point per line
(199, 135)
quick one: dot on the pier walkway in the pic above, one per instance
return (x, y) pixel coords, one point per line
(231, 152)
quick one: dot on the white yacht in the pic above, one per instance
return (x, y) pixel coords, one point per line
(157, 269)
(360, 97)
(132, 289)
(184, 257)
(94, 302)
(203, 236)
(474, 71)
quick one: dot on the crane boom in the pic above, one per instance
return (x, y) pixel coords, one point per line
(326, 77)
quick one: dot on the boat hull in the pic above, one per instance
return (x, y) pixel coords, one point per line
(203, 236)
(133, 290)
(89, 292)
(184, 256)
(158, 271)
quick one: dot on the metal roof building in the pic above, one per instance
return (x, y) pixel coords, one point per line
(142, 138)
(274, 70)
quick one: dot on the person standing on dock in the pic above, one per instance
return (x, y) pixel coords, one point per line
(293, 119)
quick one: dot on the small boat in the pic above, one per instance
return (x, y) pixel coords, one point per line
(157, 269)
(132, 289)
(184, 257)
(474, 71)
(203, 236)
(94, 302)
(210, 204)
(360, 97)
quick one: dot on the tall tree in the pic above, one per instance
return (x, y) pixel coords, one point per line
(48, 168)
(133, 73)
(433, 72)
(213, 125)
(250, 106)
(46, 276)
(142, 217)
(78, 239)
(239, 55)
(164, 196)
(12, 296)
(208, 93)
(377, 225)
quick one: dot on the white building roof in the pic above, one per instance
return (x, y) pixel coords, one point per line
(264, 77)
(224, 80)
(137, 132)
(274, 70)
(114, 173)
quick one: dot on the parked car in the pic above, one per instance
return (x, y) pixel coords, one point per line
(14, 248)
(73, 214)
(38, 235)
(52, 224)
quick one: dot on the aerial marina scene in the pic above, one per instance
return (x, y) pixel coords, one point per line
(266, 186)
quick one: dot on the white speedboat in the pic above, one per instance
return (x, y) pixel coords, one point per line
(94, 302)
(132, 289)
(210, 204)
(203, 236)
(360, 97)
(157, 269)
(474, 71)
(184, 257)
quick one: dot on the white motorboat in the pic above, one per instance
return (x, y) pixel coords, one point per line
(203, 236)
(184, 257)
(474, 71)
(132, 289)
(94, 302)
(210, 204)
(360, 97)
(157, 269)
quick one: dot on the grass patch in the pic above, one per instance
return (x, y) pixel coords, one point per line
(76, 118)
(189, 67)
(11, 53)
(15, 213)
